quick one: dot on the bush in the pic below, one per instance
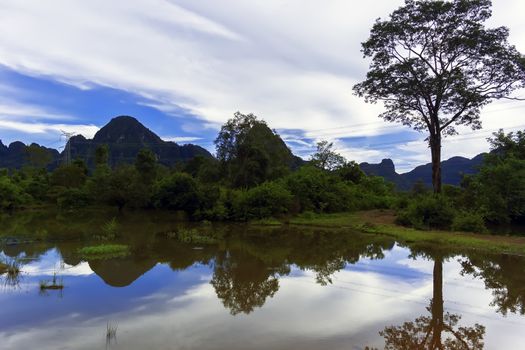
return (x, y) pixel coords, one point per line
(178, 192)
(427, 212)
(70, 198)
(266, 200)
(469, 222)
(11, 196)
(318, 190)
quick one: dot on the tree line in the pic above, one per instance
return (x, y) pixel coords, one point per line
(255, 176)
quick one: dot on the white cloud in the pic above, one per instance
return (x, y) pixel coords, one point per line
(292, 63)
(181, 138)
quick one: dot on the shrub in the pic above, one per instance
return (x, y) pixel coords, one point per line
(318, 190)
(266, 200)
(11, 196)
(469, 222)
(70, 198)
(178, 192)
(427, 212)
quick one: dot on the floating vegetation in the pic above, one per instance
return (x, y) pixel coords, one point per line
(104, 251)
(191, 236)
(108, 230)
(54, 284)
(12, 272)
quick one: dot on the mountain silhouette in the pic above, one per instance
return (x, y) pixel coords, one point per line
(452, 171)
(124, 135)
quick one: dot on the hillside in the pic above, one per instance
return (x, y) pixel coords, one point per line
(452, 171)
(124, 135)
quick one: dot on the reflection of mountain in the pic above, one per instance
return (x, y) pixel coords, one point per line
(121, 272)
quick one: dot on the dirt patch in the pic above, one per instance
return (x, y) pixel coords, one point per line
(378, 216)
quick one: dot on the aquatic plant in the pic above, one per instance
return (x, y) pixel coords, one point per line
(104, 251)
(55, 283)
(12, 271)
(108, 230)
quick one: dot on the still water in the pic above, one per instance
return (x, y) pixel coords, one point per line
(252, 288)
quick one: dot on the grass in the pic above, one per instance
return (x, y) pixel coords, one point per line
(12, 271)
(382, 222)
(266, 222)
(191, 236)
(54, 284)
(104, 251)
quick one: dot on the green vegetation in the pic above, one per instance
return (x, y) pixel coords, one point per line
(192, 236)
(246, 184)
(429, 74)
(54, 284)
(374, 222)
(104, 251)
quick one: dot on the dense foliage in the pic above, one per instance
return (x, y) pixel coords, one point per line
(257, 177)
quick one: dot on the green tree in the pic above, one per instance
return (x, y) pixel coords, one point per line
(69, 176)
(499, 187)
(123, 189)
(11, 196)
(326, 158)
(146, 165)
(178, 191)
(101, 155)
(250, 152)
(435, 65)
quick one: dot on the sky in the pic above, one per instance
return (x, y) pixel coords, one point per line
(184, 67)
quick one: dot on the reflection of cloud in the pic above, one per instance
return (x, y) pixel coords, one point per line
(302, 314)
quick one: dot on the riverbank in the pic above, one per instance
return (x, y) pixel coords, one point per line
(382, 222)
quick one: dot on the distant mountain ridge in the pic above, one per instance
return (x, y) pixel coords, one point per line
(125, 137)
(452, 171)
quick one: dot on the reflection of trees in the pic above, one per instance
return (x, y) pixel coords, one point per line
(505, 275)
(439, 330)
(243, 282)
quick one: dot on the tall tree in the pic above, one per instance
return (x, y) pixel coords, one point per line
(435, 65)
(326, 158)
(251, 152)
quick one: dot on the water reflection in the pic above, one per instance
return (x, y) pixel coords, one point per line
(440, 329)
(308, 288)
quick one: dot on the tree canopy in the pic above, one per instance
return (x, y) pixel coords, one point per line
(435, 65)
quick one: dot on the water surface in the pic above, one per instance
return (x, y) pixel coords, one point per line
(253, 288)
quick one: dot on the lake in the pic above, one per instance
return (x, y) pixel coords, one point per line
(248, 288)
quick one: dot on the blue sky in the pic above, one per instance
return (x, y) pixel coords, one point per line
(184, 67)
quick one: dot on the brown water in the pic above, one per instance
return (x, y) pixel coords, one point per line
(253, 288)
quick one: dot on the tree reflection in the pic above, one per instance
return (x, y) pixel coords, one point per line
(243, 282)
(504, 275)
(439, 330)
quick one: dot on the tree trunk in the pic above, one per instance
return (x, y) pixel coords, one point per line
(435, 149)
(437, 305)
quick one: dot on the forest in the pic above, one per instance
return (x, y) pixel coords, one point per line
(255, 176)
